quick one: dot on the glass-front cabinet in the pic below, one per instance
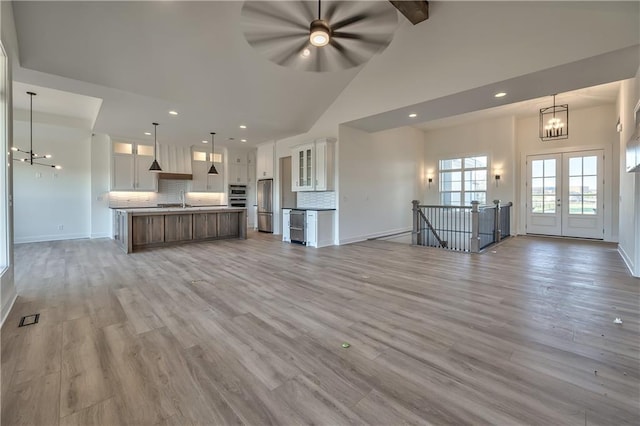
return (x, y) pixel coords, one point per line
(312, 166)
(302, 166)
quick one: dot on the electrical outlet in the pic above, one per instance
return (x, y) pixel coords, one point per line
(60, 227)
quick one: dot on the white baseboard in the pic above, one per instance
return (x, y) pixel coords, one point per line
(42, 238)
(7, 308)
(627, 260)
(101, 235)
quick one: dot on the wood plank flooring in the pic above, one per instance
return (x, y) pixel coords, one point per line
(250, 332)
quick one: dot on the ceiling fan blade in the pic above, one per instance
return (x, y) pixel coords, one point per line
(257, 39)
(349, 21)
(330, 11)
(287, 59)
(363, 38)
(320, 62)
(344, 54)
(257, 10)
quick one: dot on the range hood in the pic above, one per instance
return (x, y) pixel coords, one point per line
(175, 162)
(175, 176)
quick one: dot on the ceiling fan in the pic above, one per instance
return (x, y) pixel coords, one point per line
(322, 36)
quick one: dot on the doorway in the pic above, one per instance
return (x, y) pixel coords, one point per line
(287, 196)
(565, 194)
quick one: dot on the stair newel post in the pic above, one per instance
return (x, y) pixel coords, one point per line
(475, 227)
(497, 234)
(416, 236)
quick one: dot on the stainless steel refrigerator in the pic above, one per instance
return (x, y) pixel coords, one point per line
(265, 205)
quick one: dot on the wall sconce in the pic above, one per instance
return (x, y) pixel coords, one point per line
(429, 181)
(497, 178)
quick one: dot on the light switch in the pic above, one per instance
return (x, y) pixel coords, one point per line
(38, 175)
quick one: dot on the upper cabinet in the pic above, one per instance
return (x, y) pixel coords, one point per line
(265, 160)
(312, 166)
(202, 180)
(238, 169)
(130, 164)
(174, 159)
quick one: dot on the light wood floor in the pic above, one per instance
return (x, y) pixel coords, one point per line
(250, 332)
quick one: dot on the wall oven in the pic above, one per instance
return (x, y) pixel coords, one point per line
(237, 196)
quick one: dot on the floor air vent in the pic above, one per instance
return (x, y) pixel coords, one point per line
(29, 320)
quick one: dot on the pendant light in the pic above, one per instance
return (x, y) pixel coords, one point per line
(212, 169)
(31, 156)
(155, 167)
(554, 122)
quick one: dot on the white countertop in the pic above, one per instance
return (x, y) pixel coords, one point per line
(178, 209)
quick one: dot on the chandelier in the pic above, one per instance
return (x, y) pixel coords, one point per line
(32, 158)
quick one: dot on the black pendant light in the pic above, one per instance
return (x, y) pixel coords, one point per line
(31, 156)
(155, 167)
(212, 169)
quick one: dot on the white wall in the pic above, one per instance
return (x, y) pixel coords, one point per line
(629, 201)
(100, 180)
(589, 128)
(8, 291)
(379, 177)
(46, 198)
(494, 138)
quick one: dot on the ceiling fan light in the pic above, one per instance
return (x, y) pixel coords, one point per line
(319, 33)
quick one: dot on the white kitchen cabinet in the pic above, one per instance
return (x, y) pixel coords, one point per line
(312, 166)
(202, 181)
(265, 160)
(319, 228)
(286, 217)
(324, 165)
(302, 168)
(130, 164)
(237, 166)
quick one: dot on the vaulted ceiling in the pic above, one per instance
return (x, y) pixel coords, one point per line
(143, 59)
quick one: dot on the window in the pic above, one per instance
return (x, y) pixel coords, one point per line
(463, 180)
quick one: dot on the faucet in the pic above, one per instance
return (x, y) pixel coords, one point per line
(182, 198)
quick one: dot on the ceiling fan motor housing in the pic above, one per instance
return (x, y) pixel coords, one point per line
(319, 32)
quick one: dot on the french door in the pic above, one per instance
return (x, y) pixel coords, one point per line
(565, 194)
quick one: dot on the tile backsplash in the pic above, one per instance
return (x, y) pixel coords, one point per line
(322, 200)
(168, 192)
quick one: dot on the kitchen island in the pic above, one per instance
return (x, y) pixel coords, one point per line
(137, 228)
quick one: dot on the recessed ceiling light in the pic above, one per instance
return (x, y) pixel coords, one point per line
(242, 126)
(231, 139)
(500, 95)
(413, 115)
(243, 140)
(205, 141)
(147, 133)
(173, 112)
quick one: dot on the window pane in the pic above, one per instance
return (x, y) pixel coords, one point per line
(475, 196)
(549, 204)
(590, 185)
(550, 167)
(589, 205)
(575, 204)
(575, 185)
(537, 184)
(590, 165)
(536, 204)
(537, 168)
(575, 166)
(455, 163)
(475, 162)
(550, 185)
